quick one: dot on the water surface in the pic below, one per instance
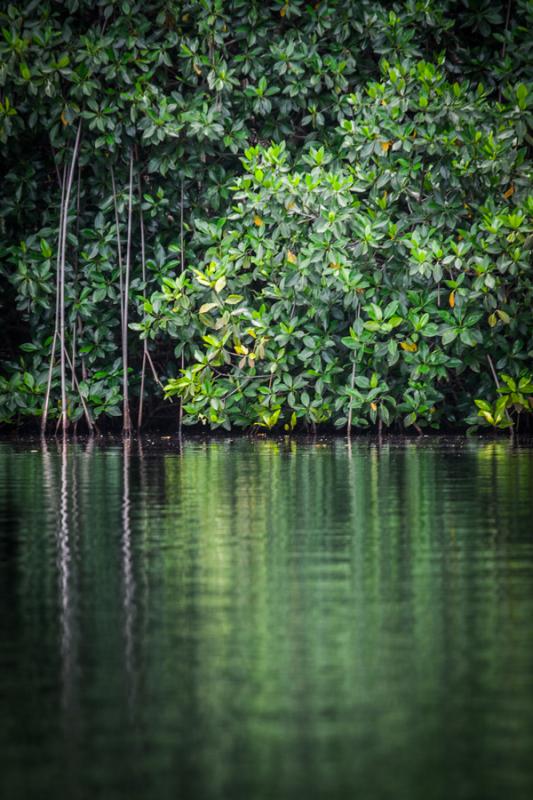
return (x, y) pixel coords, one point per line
(266, 620)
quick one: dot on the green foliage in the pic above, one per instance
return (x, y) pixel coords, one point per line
(334, 202)
(515, 398)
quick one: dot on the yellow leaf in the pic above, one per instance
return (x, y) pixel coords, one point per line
(197, 69)
(257, 220)
(509, 193)
(374, 406)
(451, 299)
(219, 285)
(64, 120)
(335, 265)
(385, 146)
(290, 205)
(291, 258)
(504, 316)
(241, 349)
(284, 10)
(493, 320)
(410, 347)
(207, 307)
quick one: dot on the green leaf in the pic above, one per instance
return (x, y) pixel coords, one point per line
(449, 336)
(46, 250)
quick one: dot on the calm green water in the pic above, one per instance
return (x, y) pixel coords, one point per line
(266, 620)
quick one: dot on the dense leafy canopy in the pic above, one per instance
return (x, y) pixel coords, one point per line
(285, 213)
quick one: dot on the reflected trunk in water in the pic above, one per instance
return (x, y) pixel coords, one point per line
(270, 619)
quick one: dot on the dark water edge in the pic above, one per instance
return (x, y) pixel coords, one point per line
(236, 618)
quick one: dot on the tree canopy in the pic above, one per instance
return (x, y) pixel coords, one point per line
(282, 214)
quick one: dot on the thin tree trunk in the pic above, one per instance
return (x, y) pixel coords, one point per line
(64, 415)
(350, 411)
(154, 371)
(497, 382)
(119, 247)
(182, 255)
(46, 404)
(87, 413)
(73, 357)
(126, 421)
(143, 273)
(76, 265)
(82, 360)
(143, 375)
(504, 45)
(125, 412)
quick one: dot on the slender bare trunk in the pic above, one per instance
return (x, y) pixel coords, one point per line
(123, 305)
(154, 371)
(497, 382)
(126, 421)
(141, 398)
(73, 357)
(182, 255)
(86, 412)
(119, 247)
(504, 45)
(64, 414)
(350, 410)
(76, 264)
(143, 273)
(46, 404)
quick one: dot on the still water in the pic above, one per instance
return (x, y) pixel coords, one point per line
(266, 620)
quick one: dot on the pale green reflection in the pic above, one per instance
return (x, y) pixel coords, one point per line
(268, 619)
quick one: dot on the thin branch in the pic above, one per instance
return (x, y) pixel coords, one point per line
(497, 382)
(126, 423)
(182, 254)
(143, 375)
(68, 190)
(504, 44)
(44, 418)
(350, 409)
(87, 413)
(143, 274)
(154, 371)
(64, 416)
(494, 375)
